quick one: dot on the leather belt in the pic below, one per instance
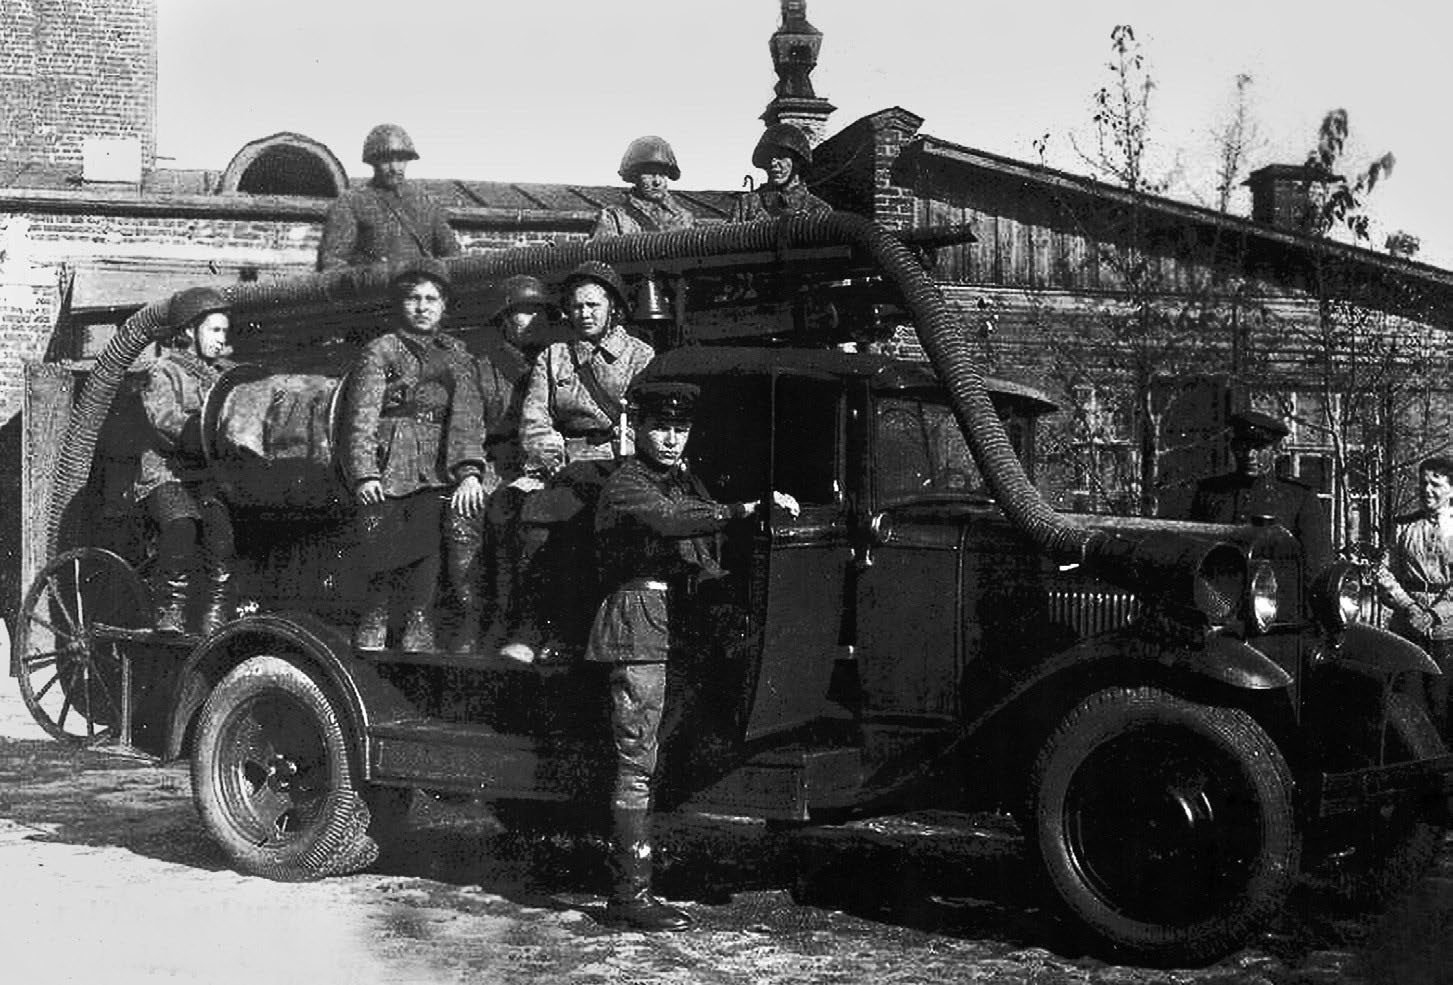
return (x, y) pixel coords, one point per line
(598, 436)
(644, 585)
(422, 416)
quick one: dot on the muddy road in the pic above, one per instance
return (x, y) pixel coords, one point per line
(107, 877)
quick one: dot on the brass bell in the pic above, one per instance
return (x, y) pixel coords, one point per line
(652, 303)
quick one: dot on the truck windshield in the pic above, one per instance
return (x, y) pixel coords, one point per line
(919, 453)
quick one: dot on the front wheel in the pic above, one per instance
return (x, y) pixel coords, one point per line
(1165, 828)
(273, 778)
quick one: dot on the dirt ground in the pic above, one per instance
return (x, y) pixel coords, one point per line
(106, 876)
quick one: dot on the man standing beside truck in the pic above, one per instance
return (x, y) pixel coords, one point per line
(655, 527)
(1415, 579)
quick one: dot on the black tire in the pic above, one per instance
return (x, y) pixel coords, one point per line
(1393, 846)
(1164, 828)
(273, 777)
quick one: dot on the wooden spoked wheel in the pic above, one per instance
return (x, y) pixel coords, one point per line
(71, 676)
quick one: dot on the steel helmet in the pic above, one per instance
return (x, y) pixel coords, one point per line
(518, 291)
(649, 150)
(604, 275)
(781, 136)
(388, 140)
(187, 306)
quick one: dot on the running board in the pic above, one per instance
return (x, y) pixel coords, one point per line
(786, 784)
(476, 759)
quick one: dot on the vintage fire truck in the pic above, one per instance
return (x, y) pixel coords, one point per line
(1181, 717)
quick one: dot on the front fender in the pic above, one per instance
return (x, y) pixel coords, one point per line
(1234, 662)
(1375, 651)
(364, 697)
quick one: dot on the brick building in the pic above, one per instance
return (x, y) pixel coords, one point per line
(91, 228)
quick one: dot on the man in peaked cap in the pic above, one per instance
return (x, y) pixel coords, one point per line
(389, 220)
(1254, 489)
(656, 532)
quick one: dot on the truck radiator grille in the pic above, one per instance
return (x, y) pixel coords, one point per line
(1090, 612)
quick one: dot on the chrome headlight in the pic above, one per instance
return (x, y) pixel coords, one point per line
(1261, 596)
(1337, 596)
(1219, 583)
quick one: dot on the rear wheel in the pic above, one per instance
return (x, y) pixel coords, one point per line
(273, 777)
(1164, 828)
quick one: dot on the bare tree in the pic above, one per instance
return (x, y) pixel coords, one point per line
(1237, 139)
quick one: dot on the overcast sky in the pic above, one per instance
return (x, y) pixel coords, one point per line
(552, 90)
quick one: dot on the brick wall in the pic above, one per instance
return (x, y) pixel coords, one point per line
(71, 69)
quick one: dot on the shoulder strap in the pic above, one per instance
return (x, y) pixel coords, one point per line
(609, 406)
(643, 220)
(407, 221)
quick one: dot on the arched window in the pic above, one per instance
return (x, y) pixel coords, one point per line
(284, 164)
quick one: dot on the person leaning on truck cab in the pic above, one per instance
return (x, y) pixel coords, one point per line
(649, 164)
(192, 521)
(1254, 489)
(413, 439)
(655, 528)
(782, 152)
(1415, 580)
(572, 434)
(389, 220)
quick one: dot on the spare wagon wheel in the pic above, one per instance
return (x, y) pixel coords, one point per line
(273, 775)
(70, 674)
(1164, 827)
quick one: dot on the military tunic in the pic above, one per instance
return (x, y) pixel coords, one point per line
(560, 421)
(768, 202)
(1417, 574)
(1236, 498)
(176, 387)
(655, 527)
(641, 215)
(415, 424)
(378, 225)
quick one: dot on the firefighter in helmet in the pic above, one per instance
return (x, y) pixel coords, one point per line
(572, 436)
(782, 152)
(483, 548)
(389, 220)
(650, 166)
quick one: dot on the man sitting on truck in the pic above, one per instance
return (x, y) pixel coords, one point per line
(572, 434)
(655, 527)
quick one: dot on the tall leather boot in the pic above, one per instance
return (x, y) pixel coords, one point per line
(631, 904)
(221, 604)
(471, 614)
(171, 601)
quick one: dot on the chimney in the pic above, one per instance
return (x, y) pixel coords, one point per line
(1284, 195)
(794, 49)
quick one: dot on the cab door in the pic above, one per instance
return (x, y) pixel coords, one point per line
(809, 559)
(921, 490)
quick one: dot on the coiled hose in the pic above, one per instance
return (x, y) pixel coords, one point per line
(939, 330)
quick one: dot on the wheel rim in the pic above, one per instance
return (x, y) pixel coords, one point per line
(70, 679)
(1163, 825)
(274, 769)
